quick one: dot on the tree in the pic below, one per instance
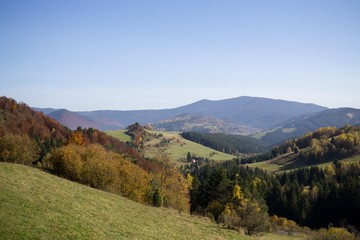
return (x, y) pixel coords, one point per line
(242, 213)
(188, 157)
(170, 184)
(76, 137)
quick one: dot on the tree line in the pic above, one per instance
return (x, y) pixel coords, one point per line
(311, 197)
(315, 147)
(231, 144)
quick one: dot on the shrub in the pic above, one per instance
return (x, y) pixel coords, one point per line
(333, 233)
(18, 149)
(94, 166)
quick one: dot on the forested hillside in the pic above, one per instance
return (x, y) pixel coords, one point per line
(20, 119)
(325, 144)
(202, 124)
(88, 156)
(311, 197)
(299, 126)
(231, 144)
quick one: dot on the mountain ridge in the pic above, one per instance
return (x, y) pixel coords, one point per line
(254, 112)
(336, 117)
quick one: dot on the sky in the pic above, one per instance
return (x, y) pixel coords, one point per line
(123, 55)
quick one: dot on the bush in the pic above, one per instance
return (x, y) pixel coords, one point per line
(333, 233)
(18, 149)
(94, 166)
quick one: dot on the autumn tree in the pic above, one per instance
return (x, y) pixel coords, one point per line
(242, 213)
(96, 167)
(170, 188)
(76, 137)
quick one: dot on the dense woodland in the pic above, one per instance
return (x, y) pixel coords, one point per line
(311, 197)
(235, 196)
(231, 144)
(316, 147)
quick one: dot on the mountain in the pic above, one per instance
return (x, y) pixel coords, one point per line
(71, 119)
(19, 118)
(254, 112)
(308, 123)
(204, 124)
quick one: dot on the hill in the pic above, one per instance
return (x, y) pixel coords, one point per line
(231, 144)
(308, 123)
(37, 205)
(174, 145)
(287, 162)
(203, 124)
(251, 112)
(71, 119)
(318, 148)
(19, 118)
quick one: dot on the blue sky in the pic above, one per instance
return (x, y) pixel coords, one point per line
(90, 55)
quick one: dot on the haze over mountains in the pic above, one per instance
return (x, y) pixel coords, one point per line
(255, 112)
(276, 119)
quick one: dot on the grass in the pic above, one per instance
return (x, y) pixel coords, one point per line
(119, 134)
(175, 146)
(38, 205)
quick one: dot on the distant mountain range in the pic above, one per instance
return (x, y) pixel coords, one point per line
(309, 123)
(276, 119)
(254, 112)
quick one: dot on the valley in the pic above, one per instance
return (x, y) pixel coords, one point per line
(175, 146)
(251, 189)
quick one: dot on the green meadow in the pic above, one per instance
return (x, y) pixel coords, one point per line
(174, 145)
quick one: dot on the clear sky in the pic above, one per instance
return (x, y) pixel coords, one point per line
(90, 55)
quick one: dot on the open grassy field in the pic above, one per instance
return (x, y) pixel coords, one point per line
(175, 146)
(38, 205)
(119, 134)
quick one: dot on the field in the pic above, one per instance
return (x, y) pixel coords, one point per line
(285, 162)
(175, 146)
(37, 205)
(119, 134)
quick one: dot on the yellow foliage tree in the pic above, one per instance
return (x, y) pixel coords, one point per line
(76, 137)
(244, 214)
(94, 166)
(171, 185)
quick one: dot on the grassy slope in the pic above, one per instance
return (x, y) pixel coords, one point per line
(177, 148)
(119, 134)
(37, 205)
(281, 164)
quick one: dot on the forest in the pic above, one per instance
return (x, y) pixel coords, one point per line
(231, 194)
(311, 197)
(231, 144)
